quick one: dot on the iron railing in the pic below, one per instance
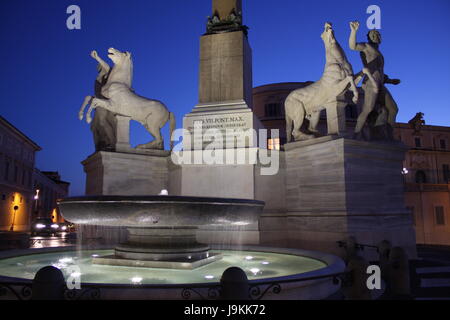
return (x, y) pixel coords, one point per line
(22, 290)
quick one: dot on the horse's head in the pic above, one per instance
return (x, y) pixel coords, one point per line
(118, 57)
(123, 66)
(328, 34)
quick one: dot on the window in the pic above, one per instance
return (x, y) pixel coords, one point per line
(446, 172)
(413, 214)
(421, 177)
(6, 171)
(439, 214)
(273, 110)
(418, 142)
(273, 144)
(23, 177)
(16, 173)
(443, 144)
(3, 197)
(29, 180)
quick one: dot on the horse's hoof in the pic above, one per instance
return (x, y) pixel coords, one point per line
(80, 116)
(304, 137)
(88, 119)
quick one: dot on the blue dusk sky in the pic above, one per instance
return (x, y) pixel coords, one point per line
(47, 71)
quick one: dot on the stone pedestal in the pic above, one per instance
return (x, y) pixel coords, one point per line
(336, 188)
(123, 134)
(234, 120)
(117, 173)
(336, 119)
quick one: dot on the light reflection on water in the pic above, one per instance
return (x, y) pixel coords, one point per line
(262, 265)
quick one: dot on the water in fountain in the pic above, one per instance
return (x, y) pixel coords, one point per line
(161, 229)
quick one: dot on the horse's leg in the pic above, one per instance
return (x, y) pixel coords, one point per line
(95, 103)
(314, 121)
(289, 113)
(157, 143)
(153, 125)
(87, 100)
(288, 128)
(298, 121)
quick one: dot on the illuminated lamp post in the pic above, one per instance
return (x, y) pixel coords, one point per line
(36, 199)
(14, 218)
(404, 173)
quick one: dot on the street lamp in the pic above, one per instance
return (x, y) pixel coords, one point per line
(14, 218)
(404, 173)
(36, 199)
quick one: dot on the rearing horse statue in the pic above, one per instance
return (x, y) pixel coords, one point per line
(309, 101)
(122, 100)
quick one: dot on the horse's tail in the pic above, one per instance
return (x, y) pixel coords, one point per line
(172, 128)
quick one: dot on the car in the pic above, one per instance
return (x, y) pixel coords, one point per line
(44, 226)
(65, 227)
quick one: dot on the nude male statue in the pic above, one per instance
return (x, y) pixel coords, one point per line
(373, 84)
(104, 123)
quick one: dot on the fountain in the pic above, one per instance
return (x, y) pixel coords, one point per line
(213, 219)
(161, 229)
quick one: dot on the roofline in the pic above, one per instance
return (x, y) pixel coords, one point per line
(269, 85)
(20, 133)
(424, 126)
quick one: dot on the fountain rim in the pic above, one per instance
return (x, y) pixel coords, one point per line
(334, 265)
(160, 199)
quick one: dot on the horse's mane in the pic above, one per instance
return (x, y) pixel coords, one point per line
(125, 66)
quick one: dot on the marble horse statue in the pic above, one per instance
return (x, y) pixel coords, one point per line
(122, 100)
(308, 102)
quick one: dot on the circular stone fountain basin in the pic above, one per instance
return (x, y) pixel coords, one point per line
(159, 211)
(263, 266)
(161, 229)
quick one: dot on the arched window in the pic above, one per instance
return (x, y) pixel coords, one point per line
(421, 177)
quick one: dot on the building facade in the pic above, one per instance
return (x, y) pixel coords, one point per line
(51, 188)
(25, 192)
(426, 167)
(427, 180)
(17, 162)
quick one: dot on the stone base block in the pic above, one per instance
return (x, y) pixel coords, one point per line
(224, 117)
(115, 173)
(336, 188)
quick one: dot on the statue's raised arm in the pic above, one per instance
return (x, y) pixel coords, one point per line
(103, 66)
(354, 26)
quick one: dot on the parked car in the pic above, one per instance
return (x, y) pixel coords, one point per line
(65, 227)
(44, 226)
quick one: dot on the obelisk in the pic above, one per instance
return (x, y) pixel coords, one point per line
(224, 7)
(224, 106)
(225, 75)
